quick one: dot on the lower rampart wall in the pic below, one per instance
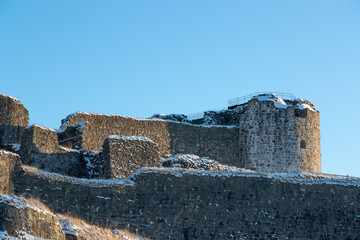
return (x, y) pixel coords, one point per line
(183, 204)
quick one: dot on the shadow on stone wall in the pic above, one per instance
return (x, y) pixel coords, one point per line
(69, 163)
(10, 135)
(215, 142)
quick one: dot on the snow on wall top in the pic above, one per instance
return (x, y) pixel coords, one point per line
(66, 121)
(22, 203)
(303, 178)
(13, 98)
(280, 103)
(40, 126)
(133, 138)
(304, 106)
(73, 180)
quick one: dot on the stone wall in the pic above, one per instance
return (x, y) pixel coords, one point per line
(308, 136)
(270, 138)
(220, 143)
(40, 148)
(14, 117)
(18, 216)
(9, 163)
(185, 204)
(124, 155)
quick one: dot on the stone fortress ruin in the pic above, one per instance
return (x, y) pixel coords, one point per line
(252, 170)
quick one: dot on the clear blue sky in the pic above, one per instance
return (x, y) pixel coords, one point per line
(137, 58)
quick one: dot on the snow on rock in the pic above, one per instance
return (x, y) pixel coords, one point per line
(304, 106)
(195, 162)
(278, 102)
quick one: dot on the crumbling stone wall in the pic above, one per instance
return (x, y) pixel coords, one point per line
(220, 143)
(184, 204)
(40, 148)
(16, 215)
(14, 117)
(9, 164)
(124, 155)
(270, 138)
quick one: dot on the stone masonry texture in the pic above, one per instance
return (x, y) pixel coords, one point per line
(180, 204)
(220, 143)
(270, 139)
(15, 218)
(14, 117)
(9, 164)
(40, 148)
(124, 155)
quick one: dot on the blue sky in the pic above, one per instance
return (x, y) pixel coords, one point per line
(137, 58)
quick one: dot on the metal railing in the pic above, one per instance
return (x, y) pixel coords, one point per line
(245, 99)
(240, 101)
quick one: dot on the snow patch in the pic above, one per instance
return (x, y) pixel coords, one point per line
(8, 153)
(40, 126)
(76, 181)
(133, 138)
(13, 98)
(278, 102)
(304, 106)
(195, 162)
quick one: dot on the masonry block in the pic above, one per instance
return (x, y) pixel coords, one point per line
(40, 148)
(124, 155)
(14, 117)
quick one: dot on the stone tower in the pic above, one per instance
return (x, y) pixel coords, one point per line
(279, 135)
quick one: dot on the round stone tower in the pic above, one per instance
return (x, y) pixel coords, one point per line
(278, 135)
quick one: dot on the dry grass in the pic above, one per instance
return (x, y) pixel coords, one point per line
(82, 229)
(28, 166)
(38, 203)
(86, 231)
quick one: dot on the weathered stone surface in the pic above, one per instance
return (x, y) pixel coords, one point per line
(14, 117)
(40, 148)
(19, 215)
(9, 165)
(270, 138)
(220, 143)
(191, 161)
(185, 204)
(124, 155)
